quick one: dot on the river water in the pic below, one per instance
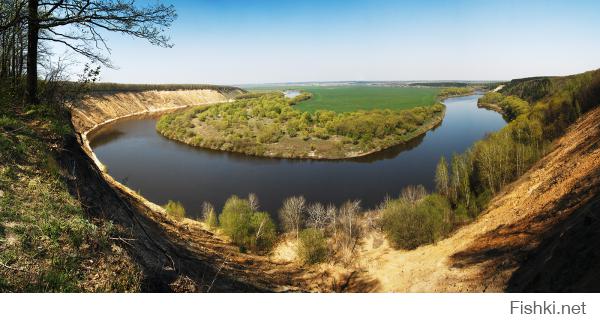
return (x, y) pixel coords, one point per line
(162, 169)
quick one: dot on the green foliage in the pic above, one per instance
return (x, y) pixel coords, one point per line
(409, 224)
(312, 246)
(252, 126)
(442, 177)
(209, 215)
(256, 94)
(530, 89)
(303, 96)
(545, 109)
(264, 230)
(455, 91)
(175, 210)
(246, 227)
(511, 106)
(51, 239)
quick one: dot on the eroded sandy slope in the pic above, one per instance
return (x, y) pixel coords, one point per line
(100, 108)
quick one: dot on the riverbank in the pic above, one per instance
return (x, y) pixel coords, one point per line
(268, 126)
(99, 108)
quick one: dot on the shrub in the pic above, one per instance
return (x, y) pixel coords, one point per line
(263, 230)
(175, 210)
(209, 215)
(409, 225)
(312, 246)
(247, 228)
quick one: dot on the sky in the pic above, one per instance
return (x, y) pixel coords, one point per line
(251, 42)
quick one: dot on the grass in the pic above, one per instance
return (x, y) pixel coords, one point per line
(47, 242)
(352, 98)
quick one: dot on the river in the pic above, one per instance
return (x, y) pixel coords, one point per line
(162, 169)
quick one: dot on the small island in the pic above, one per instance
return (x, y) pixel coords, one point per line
(268, 124)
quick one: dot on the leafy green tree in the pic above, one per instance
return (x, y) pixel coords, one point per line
(246, 227)
(209, 215)
(442, 181)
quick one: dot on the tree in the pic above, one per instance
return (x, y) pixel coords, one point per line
(413, 193)
(348, 216)
(12, 40)
(291, 214)
(253, 200)
(442, 182)
(317, 216)
(247, 228)
(175, 210)
(209, 215)
(79, 24)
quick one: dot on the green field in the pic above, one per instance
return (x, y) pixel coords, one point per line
(350, 98)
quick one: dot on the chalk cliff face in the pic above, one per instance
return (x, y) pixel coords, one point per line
(96, 109)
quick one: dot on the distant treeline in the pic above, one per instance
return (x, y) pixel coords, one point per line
(441, 84)
(477, 85)
(455, 91)
(120, 87)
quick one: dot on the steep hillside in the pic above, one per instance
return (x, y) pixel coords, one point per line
(539, 233)
(102, 107)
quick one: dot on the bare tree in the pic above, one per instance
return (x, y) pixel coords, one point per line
(253, 200)
(291, 214)
(348, 215)
(413, 194)
(78, 25)
(331, 215)
(317, 216)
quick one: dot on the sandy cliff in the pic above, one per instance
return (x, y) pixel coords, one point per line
(98, 109)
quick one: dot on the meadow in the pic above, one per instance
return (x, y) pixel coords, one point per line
(352, 98)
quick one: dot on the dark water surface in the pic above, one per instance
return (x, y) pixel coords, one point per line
(162, 169)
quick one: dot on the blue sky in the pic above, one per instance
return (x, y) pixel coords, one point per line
(241, 42)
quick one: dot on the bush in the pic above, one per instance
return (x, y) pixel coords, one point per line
(312, 246)
(175, 210)
(263, 230)
(209, 215)
(247, 228)
(411, 224)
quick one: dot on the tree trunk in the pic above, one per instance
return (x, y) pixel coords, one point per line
(32, 51)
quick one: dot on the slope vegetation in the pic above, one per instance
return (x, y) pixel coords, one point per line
(520, 242)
